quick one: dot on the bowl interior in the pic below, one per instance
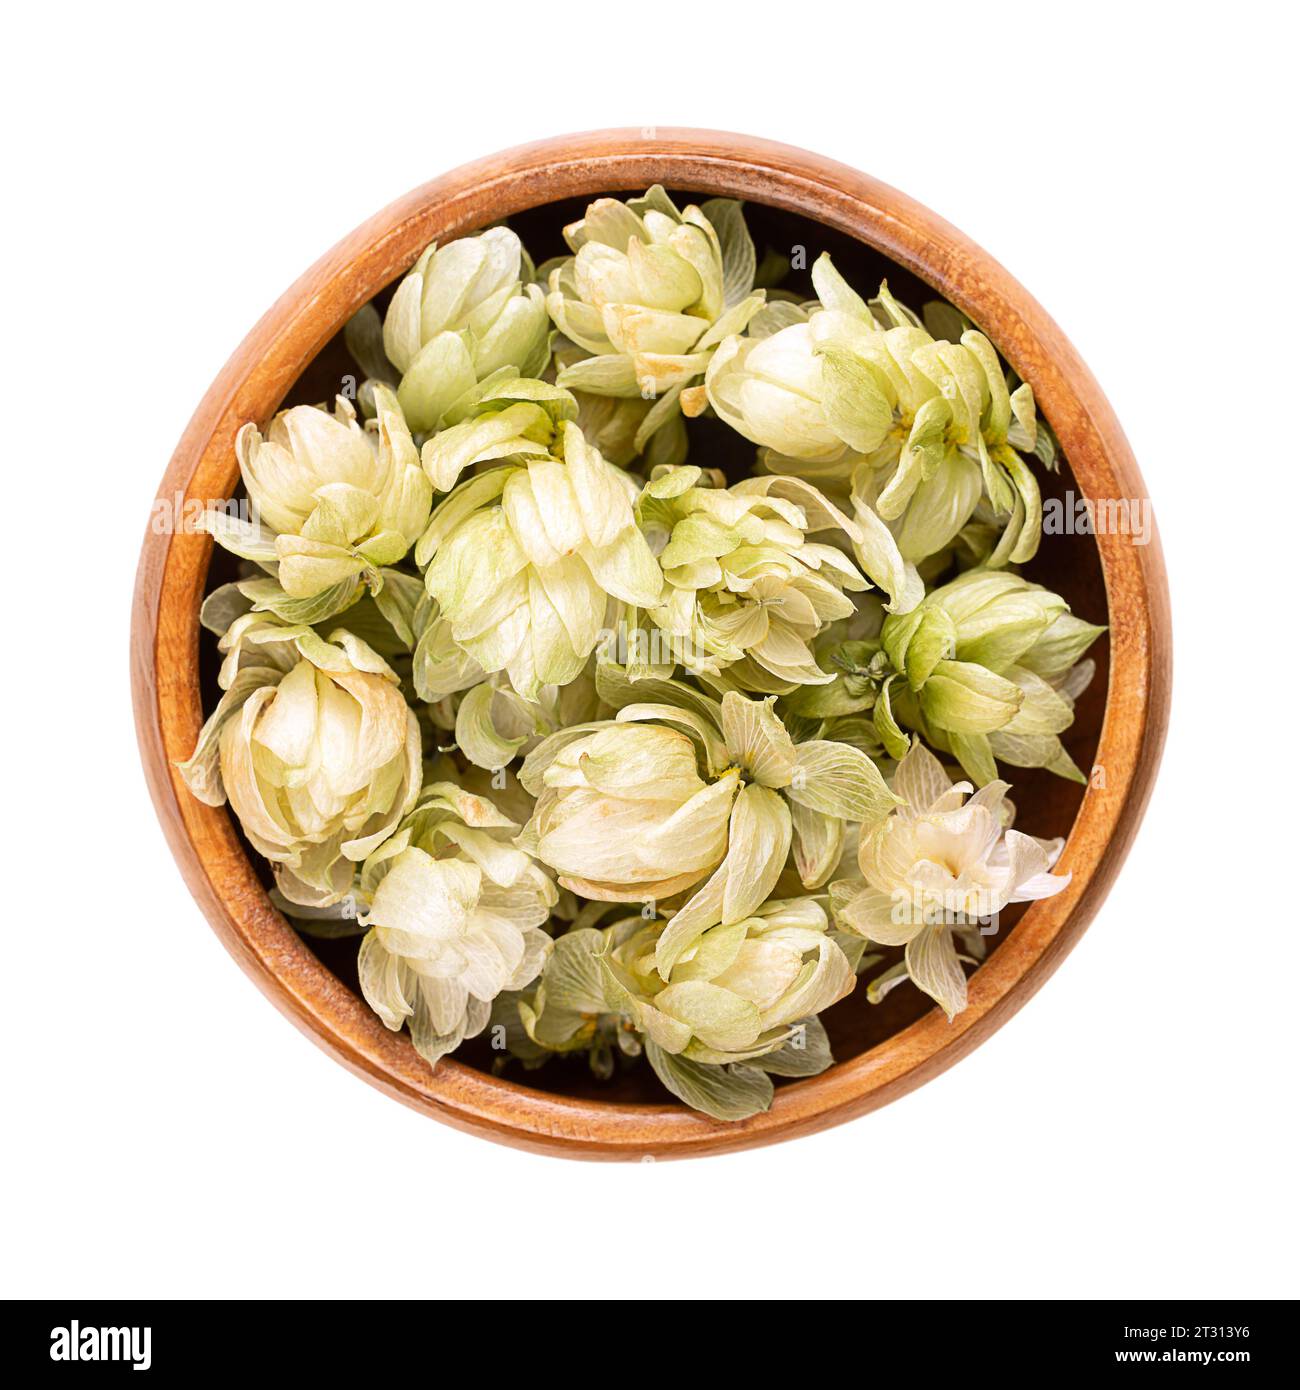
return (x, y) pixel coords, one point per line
(1070, 564)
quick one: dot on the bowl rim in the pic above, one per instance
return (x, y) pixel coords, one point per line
(172, 574)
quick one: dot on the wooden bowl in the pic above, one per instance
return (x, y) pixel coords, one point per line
(882, 1052)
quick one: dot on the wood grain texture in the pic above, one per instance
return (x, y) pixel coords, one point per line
(172, 578)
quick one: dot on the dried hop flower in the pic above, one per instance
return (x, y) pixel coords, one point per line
(747, 592)
(650, 293)
(314, 746)
(682, 792)
(737, 991)
(463, 312)
(523, 559)
(331, 501)
(941, 862)
(455, 918)
(988, 667)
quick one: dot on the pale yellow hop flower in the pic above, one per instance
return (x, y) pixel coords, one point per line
(455, 917)
(941, 861)
(625, 815)
(331, 501)
(463, 312)
(739, 990)
(738, 1008)
(649, 293)
(914, 432)
(686, 795)
(314, 746)
(770, 390)
(747, 590)
(523, 560)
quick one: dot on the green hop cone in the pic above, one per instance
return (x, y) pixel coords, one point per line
(988, 668)
(770, 390)
(919, 431)
(599, 992)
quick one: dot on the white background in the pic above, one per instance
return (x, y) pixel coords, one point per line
(166, 1132)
